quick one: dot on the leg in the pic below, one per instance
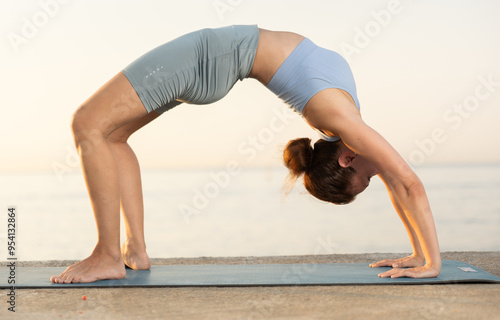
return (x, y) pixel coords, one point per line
(134, 248)
(111, 107)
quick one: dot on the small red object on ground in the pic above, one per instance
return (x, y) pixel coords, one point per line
(84, 298)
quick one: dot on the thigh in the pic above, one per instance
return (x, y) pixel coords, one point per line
(124, 132)
(114, 105)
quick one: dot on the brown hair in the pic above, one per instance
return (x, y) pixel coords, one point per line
(324, 178)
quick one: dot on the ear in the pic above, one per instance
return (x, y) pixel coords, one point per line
(346, 158)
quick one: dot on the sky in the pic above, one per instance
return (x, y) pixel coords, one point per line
(427, 75)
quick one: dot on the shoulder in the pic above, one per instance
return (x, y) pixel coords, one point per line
(333, 112)
(329, 109)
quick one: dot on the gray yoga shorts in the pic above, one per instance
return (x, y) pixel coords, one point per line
(197, 68)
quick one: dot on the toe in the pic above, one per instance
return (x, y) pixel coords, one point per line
(68, 279)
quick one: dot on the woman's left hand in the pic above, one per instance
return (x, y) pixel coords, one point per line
(414, 264)
(425, 271)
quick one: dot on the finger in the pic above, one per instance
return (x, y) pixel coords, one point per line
(407, 263)
(413, 273)
(383, 263)
(403, 264)
(417, 272)
(400, 274)
(389, 273)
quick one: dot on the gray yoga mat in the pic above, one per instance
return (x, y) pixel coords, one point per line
(251, 275)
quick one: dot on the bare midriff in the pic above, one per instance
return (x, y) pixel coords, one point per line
(274, 47)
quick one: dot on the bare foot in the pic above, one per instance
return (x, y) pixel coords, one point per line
(135, 256)
(97, 266)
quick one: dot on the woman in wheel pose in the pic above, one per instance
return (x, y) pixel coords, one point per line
(201, 68)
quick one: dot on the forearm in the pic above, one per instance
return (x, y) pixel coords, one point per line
(415, 206)
(412, 235)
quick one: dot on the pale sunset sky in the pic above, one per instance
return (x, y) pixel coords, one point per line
(427, 75)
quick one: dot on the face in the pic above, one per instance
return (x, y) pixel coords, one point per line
(364, 172)
(364, 169)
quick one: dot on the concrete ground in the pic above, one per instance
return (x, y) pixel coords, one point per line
(454, 301)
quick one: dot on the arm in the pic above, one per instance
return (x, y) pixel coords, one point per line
(414, 260)
(332, 111)
(417, 218)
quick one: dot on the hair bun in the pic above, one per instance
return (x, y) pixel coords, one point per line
(298, 155)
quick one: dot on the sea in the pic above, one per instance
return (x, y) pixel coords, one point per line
(228, 212)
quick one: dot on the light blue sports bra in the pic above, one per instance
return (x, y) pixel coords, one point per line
(308, 70)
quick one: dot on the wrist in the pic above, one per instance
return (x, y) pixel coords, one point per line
(418, 255)
(434, 262)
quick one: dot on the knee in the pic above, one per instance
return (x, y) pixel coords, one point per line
(79, 124)
(119, 136)
(84, 127)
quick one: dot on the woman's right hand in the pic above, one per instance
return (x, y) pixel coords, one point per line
(410, 261)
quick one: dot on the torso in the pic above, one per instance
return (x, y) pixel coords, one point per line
(274, 47)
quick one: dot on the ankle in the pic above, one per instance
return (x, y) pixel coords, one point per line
(134, 244)
(104, 252)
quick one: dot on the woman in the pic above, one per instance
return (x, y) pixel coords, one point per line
(201, 68)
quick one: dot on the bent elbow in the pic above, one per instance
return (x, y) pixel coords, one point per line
(415, 188)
